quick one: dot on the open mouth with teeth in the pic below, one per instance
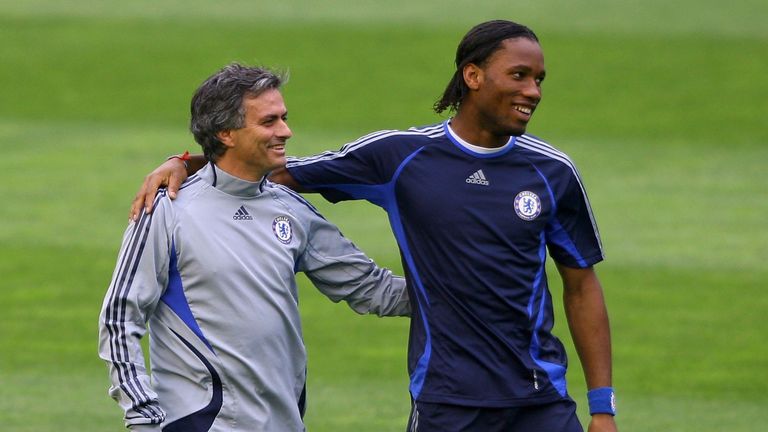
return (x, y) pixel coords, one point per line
(522, 109)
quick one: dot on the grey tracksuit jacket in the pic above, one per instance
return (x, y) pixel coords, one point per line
(212, 273)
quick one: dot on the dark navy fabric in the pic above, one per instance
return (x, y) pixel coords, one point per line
(202, 420)
(557, 416)
(473, 231)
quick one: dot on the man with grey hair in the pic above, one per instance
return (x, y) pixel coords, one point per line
(212, 274)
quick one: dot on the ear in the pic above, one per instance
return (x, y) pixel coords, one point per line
(473, 76)
(226, 137)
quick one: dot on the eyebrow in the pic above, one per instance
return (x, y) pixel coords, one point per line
(270, 117)
(526, 68)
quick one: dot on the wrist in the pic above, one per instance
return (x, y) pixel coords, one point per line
(185, 157)
(602, 400)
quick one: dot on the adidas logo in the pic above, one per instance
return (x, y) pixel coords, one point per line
(242, 214)
(477, 178)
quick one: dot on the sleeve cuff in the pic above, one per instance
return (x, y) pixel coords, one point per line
(145, 428)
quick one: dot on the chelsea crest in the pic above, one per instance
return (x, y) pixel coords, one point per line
(281, 226)
(527, 205)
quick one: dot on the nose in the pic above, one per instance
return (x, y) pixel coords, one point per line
(284, 131)
(532, 89)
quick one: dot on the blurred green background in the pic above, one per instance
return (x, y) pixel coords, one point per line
(661, 104)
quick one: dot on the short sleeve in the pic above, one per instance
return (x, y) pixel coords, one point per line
(350, 172)
(572, 235)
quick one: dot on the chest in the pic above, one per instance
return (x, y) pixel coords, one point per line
(229, 239)
(497, 197)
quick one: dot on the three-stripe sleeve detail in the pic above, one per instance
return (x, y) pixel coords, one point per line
(115, 313)
(431, 132)
(538, 146)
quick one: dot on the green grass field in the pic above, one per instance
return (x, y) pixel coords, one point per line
(661, 104)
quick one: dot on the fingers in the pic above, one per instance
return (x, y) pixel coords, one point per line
(145, 197)
(177, 173)
(174, 183)
(171, 174)
(151, 184)
(137, 204)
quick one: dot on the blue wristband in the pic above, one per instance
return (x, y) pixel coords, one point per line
(602, 400)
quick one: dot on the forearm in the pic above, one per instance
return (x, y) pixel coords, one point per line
(386, 295)
(133, 293)
(195, 162)
(589, 325)
(120, 347)
(588, 321)
(283, 176)
(279, 175)
(365, 287)
(342, 272)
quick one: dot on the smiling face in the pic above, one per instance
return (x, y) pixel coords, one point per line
(503, 92)
(259, 146)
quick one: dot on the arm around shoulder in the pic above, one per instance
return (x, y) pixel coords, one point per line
(284, 177)
(171, 174)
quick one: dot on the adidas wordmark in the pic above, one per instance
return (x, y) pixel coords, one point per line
(477, 178)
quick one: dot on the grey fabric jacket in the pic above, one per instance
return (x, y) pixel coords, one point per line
(212, 273)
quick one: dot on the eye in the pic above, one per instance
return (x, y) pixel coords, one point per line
(269, 121)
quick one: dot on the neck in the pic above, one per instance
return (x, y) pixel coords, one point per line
(470, 129)
(240, 170)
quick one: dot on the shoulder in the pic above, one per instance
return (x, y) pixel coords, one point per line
(291, 200)
(162, 201)
(169, 209)
(378, 143)
(163, 212)
(410, 135)
(537, 147)
(410, 138)
(395, 145)
(189, 190)
(542, 153)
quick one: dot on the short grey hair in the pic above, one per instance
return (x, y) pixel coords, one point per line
(217, 104)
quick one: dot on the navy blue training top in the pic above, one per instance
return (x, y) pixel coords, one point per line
(473, 229)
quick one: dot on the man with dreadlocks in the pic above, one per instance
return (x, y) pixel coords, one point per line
(475, 203)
